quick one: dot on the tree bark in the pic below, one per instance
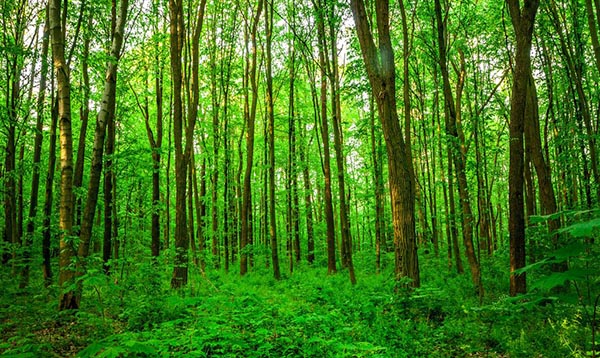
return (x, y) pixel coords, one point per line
(67, 298)
(37, 154)
(84, 113)
(329, 219)
(107, 111)
(380, 242)
(340, 157)
(523, 23)
(250, 117)
(379, 62)
(271, 139)
(456, 148)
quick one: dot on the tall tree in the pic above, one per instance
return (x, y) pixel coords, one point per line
(155, 139)
(293, 220)
(37, 152)
(177, 35)
(183, 123)
(14, 24)
(250, 118)
(329, 220)
(455, 146)
(336, 111)
(271, 137)
(84, 114)
(523, 19)
(381, 70)
(107, 109)
(67, 251)
(376, 154)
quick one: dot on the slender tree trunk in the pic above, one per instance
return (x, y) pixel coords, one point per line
(177, 33)
(250, 117)
(575, 71)
(107, 111)
(523, 23)
(67, 298)
(14, 97)
(215, 98)
(84, 113)
(109, 187)
(183, 127)
(190, 211)
(156, 142)
(292, 175)
(533, 144)
(200, 199)
(339, 153)
(49, 194)
(329, 219)
(37, 154)
(308, 205)
(378, 187)
(455, 145)
(105, 115)
(379, 62)
(271, 139)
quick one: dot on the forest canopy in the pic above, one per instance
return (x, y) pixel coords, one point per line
(299, 178)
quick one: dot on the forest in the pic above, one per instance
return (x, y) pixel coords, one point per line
(279, 178)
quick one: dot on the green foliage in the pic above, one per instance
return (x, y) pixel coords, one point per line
(308, 314)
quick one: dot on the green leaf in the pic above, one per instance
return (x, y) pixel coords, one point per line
(535, 265)
(574, 249)
(140, 347)
(92, 350)
(559, 278)
(536, 219)
(584, 229)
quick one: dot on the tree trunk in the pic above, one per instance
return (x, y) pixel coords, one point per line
(250, 117)
(338, 148)
(379, 62)
(84, 113)
(182, 154)
(378, 187)
(308, 205)
(156, 142)
(49, 195)
(67, 298)
(37, 154)
(329, 219)
(106, 113)
(523, 23)
(109, 187)
(533, 145)
(271, 140)
(455, 147)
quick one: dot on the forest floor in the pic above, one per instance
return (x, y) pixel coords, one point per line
(306, 314)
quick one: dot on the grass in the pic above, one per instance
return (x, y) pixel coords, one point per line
(306, 314)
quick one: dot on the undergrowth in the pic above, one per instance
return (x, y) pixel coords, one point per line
(306, 314)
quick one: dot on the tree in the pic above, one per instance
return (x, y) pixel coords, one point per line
(455, 145)
(37, 153)
(336, 111)
(523, 19)
(250, 118)
(72, 297)
(67, 251)
(379, 62)
(13, 38)
(271, 139)
(182, 154)
(320, 13)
